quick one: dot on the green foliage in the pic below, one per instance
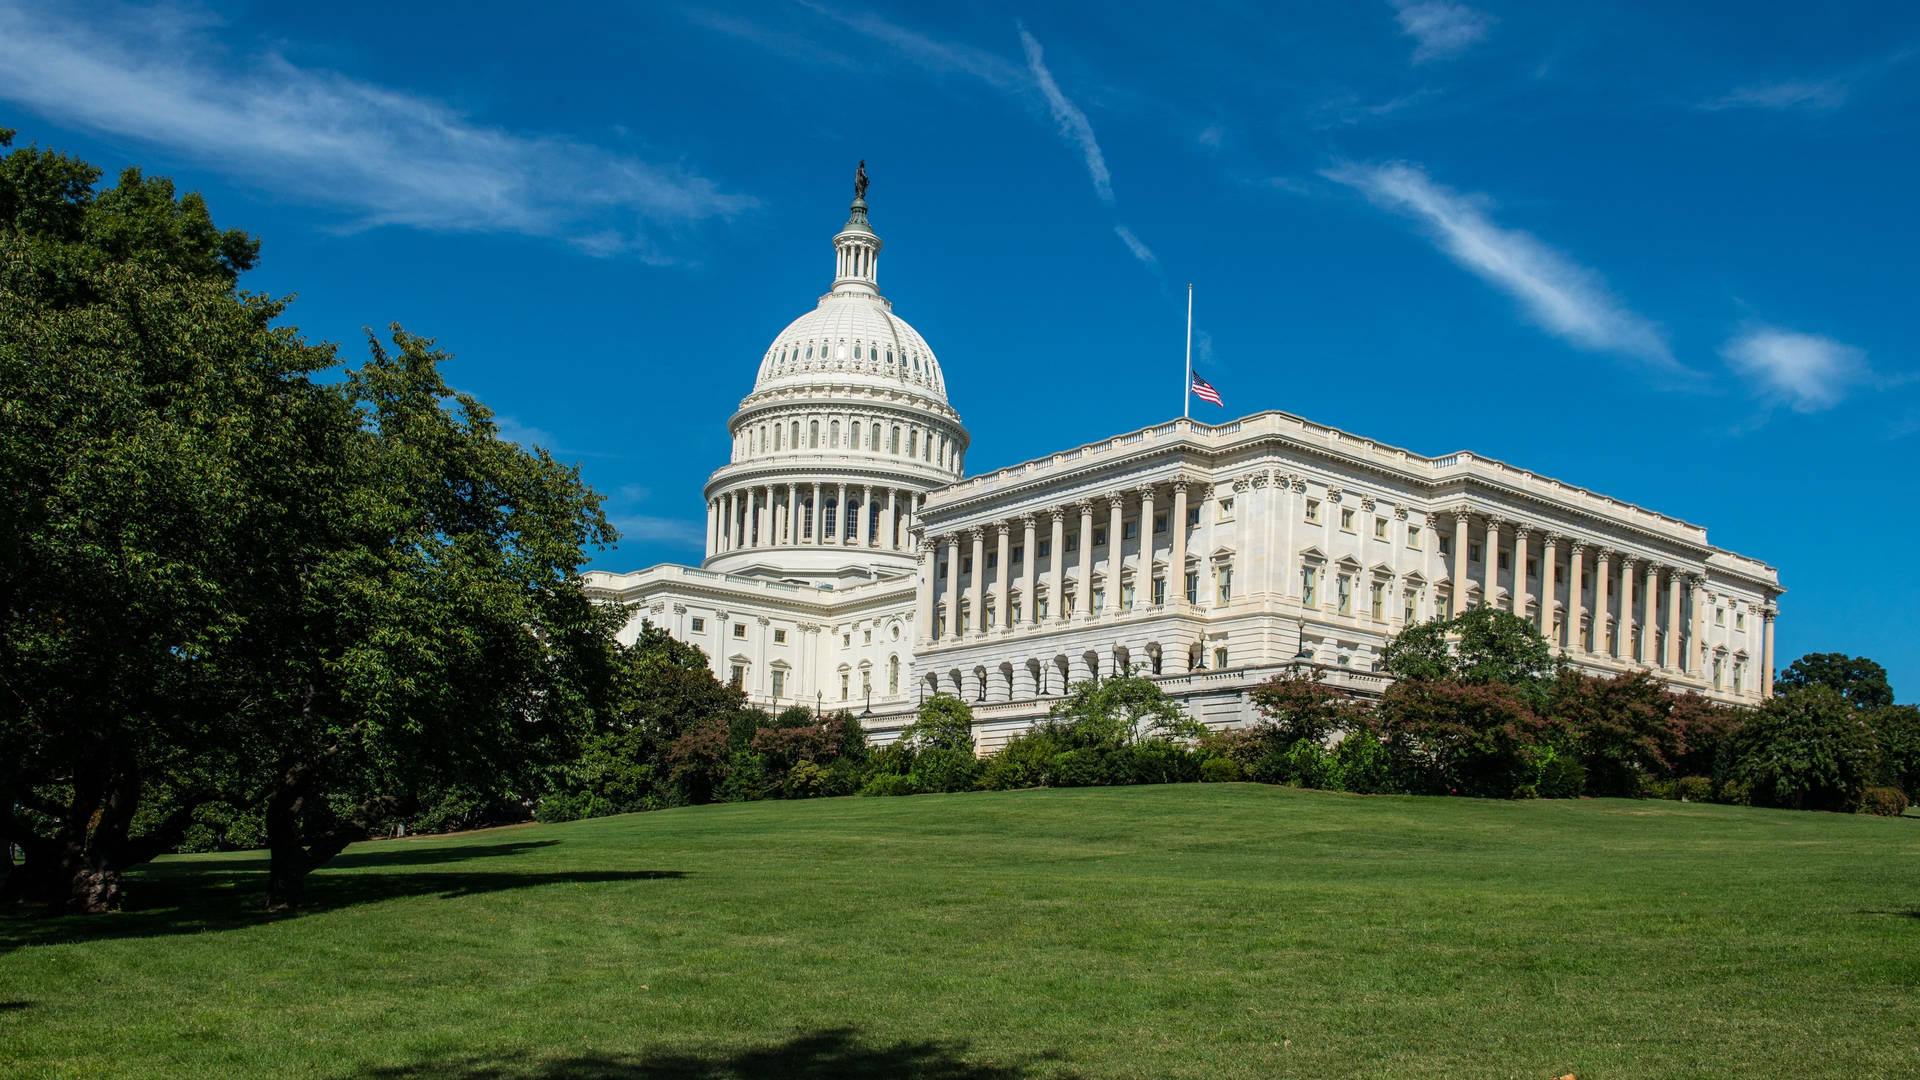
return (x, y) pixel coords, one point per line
(1025, 761)
(1883, 802)
(1117, 712)
(1862, 682)
(1310, 765)
(1468, 739)
(1219, 770)
(1694, 789)
(804, 781)
(944, 722)
(944, 770)
(888, 783)
(1561, 776)
(1078, 768)
(1480, 645)
(1364, 764)
(1296, 707)
(1622, 729)
(1807, 749)
(1896, 730)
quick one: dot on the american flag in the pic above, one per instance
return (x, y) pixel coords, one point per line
(1204, 390)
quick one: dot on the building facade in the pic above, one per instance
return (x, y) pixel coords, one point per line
(849, 565)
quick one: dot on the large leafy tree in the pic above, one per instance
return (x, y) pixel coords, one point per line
(1297, 706)
(1860, 680)
(1480, 645)
(1806, 749)
(1115, 712)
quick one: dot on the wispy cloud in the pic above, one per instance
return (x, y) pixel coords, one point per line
(378, 154)
(1440, 28)
(1073, 123)
(1806, 372)
(1813, 95)
(676, 532)
(1140, 251)
(1565, 298)
(1213, 136)
(928, 53)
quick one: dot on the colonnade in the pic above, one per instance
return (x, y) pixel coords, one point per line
(1050, 676)
(813, 514)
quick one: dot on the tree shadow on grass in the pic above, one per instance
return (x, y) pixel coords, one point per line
(15, 1006)
(410, 853)
(838, 1053)
(193, 896)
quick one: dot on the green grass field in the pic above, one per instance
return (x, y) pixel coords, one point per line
(1195, 931)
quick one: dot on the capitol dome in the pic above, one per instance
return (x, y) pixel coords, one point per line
(846, 428)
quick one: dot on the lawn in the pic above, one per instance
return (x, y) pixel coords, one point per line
(1193, 931)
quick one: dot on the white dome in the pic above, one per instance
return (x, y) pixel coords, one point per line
(851, 334)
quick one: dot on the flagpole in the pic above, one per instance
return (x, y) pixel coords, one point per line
(1186, 394)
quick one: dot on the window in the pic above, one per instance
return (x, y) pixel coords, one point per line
(1159, 523)
(940, 624)
(966, 564)
(1193, 588)
(1719, 616)
(1309, 586)
(1099, 600)
(1019, 551)
(846, 640)
(1069, 601)
(1223, 584)
(893, 675)
(1040, 608)
(1446, 546)
(1717, 661)
(779, 637)
(699, 625)
(1099, 537)
(1073, 541)
(1219, 658)
(965, 622)
(1046, 548)
(943, 570)
(1313, 511)
(1377, 603)
(1013, 614)
(893, 443)
(1343, 593)
(1126, 597)
(1130, 530)
(1413, 536)
(1408, 617)
(869, 633)
(1346, 520)
(1226, 509)
(1159, 591)
(1473, 553)
(740, 630)
(1379, 528)
(1738, 672)
(988, 617)
(1505, 559)
(1533, 568)
(779, 682)
(1739, 623)
(866, 680)
(737, 676)
(1193, 515)
(843, 686)
(993, 559)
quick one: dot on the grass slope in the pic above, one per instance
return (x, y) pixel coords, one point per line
(1198, 931)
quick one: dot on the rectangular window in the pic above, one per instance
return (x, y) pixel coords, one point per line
(1073, 541)
(1099, 600)
(1013, 615)
(1046, 548)
(1505, 559)
(1473, 553)
(943, 570)
(843, 686)
(737, 676)
(1379, 528)
(1159, 591)
(1159, 523)
(1193, 588)
(1377, 603)
(1040, 607)
(965, 622)
(1019, 553)
(1738, 674)
(1343, 593)
(1739, 623)
(1408, 616)
(966, 564)
(779, 637)
(1126, 597)
(699, 624)
(1413, 537)
(1226, 509)
(1346, 520)
(779, 682)
(1310, 586)
(989, 617)
(993, 560)
(1533, 568)
(1719, 616)
(869, 637)
(1193, 515)
(866, 680)
(1716, 672)
(1099, 538)
(1219, 658)
(1446, 546)
(1130, 530)
(1223, 584)
(739, 629)
(1313, 511)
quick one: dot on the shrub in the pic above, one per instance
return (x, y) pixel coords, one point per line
(1365, 765)
(1155, 761)
(1313, 767)
(1659, 789)
(1694, 788)
(1078, 768)
(1808, 749)
(1024, 762)
(1483, 740)
(563, 806)
(1297, 707)
(803, 781)
(944, 770)
(1561, 776)
(1734, 793)
(945, 722)
(1883, 801)
(843, 777)
(885, 783)
(1273, 767)
(746, 779)
(1219, 770)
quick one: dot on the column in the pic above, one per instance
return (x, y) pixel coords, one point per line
(1602, 583)
(1576, 601)
(1697, 635)
(1490, 563)
(1627, 650)
(1001, 552)
(953, 588)
(1086, 559)
(713, 525)
(1650, 626)
(765, 516)
(1766, 648)
(1549, 557)
(818, 518)
(893, 519)
(726, 521)
(1056, 581)
(1460, 526)
(1177, 560)
(1030, 557)
(976, 581)
(1672, 660)
(840, 517)
(1143, 574)
(1116, 548)
(1519, 597)
(923, 597)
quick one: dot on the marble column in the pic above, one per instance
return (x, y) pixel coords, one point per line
(1461, 523)
(952, 546)
(1549, 585)
(1116, 548)
(1697, 639)
(1602, 583)
(893, 519)
(1177, 559)
(1490, 564)
(726, 521)
(1671, 660)
(977, 581)
(1003, 611)
(1518, 601)
(923, 596)
(1029, 557)
(1650, 630)
(1628, 649)
(1766, 650)
(713, 525)
(1143, 575)
(1056, 561)
(1576, 599)
(818, 519)
(1085, 588)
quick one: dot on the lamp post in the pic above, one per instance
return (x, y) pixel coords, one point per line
(819, 697)
(869, 708)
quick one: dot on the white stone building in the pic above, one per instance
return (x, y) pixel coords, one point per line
(849, 566)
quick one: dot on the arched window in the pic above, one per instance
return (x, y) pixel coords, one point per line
(833, 434)
(889, 357)
(856, 350)
(776, 436)
(809, 352)
(854, 435)
(873, 437)
(893, 675)
(913, 441)
(794, 441)
(813, 434)
(893, 446)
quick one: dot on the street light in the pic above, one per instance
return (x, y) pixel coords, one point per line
(869, 709)
(819, 696)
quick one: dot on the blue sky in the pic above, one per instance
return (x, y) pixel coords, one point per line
(1667, 255)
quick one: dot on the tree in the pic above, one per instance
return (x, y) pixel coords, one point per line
(1297, 706)
(1120, 711)
(1469, 739)
(1896, 730)
(1860, 680)
(1806, 749)
(945, 722)
(1480, 645)
(1621, 728)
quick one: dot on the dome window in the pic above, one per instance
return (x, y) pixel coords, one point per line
(889, 357)
(856, 350)
(840, 353)
(809, 352)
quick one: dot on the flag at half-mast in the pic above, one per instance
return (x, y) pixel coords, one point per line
(1204, 390)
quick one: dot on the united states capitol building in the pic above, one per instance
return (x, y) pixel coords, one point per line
(851, 563)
